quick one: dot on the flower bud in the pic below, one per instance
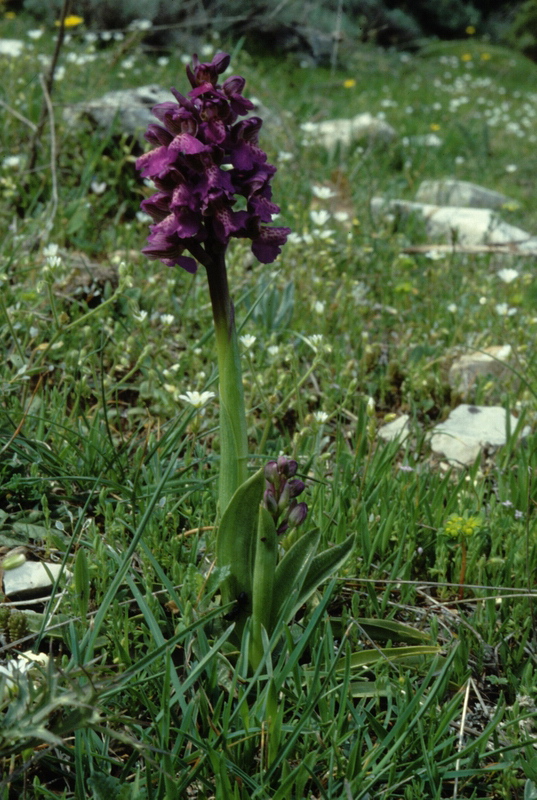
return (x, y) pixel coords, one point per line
(271, 473)
(285, 497)
(270, 502)
(297, 515)
(16, 558)
(287, 466)
(296, 487)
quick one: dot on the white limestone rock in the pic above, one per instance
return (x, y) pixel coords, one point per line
(345, 132)
(132, 107)
(459, 193)
(31, 579)
(468, 430)
(493, 361)
(466, 226)
(397, 429)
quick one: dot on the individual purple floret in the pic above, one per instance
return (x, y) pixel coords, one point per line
(282, 489)
(202, 161)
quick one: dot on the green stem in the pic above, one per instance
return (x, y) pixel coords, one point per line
(233, 433)
(463, 570)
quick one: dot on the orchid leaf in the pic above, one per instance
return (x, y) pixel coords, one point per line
(291, 573)
(380, 688)
(390, 629)
(320, 567)
(235, 541)
(367, 658)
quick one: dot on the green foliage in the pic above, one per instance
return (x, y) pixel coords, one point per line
(523, 31)
(271, 589)
(103, 467)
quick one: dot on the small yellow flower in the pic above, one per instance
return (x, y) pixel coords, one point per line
(70, 22)
(461, 526)
(466, 57)
(434, 126)
(10, 15)
(485, 56)
(349, 83)
(470, 30)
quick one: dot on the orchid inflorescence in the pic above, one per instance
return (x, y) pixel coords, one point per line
(282, 489)
(202, 161)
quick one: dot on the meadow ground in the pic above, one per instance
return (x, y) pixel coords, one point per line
(107, 468)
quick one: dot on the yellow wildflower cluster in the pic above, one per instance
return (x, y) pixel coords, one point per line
(461, 526)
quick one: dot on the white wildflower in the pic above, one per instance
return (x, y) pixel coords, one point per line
(11, 162)
(320, 416)
(294, 238)
(325, 233)
(197, 399)
(98, 187)
(314, 341)
(341, 216)
(504, 310)
(320, 217)
(318, 307)
(51, 250)
(16, 668)
(140, 25)
(11, 47)
(248, 340)
(167, 319)
(507, 274)
(322, 192)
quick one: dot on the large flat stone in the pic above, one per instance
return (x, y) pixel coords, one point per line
(468, 430)
(459, 193)
(491, 361)
(132, 107)
(31, 579)
(332, 132)
(466, 226)
(397, 429)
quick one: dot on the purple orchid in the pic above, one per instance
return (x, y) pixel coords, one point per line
(282, 489)
(202, 160)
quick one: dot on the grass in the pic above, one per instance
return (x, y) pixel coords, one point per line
(105, 469)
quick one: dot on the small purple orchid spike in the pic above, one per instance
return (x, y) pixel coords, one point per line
(282, 489)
